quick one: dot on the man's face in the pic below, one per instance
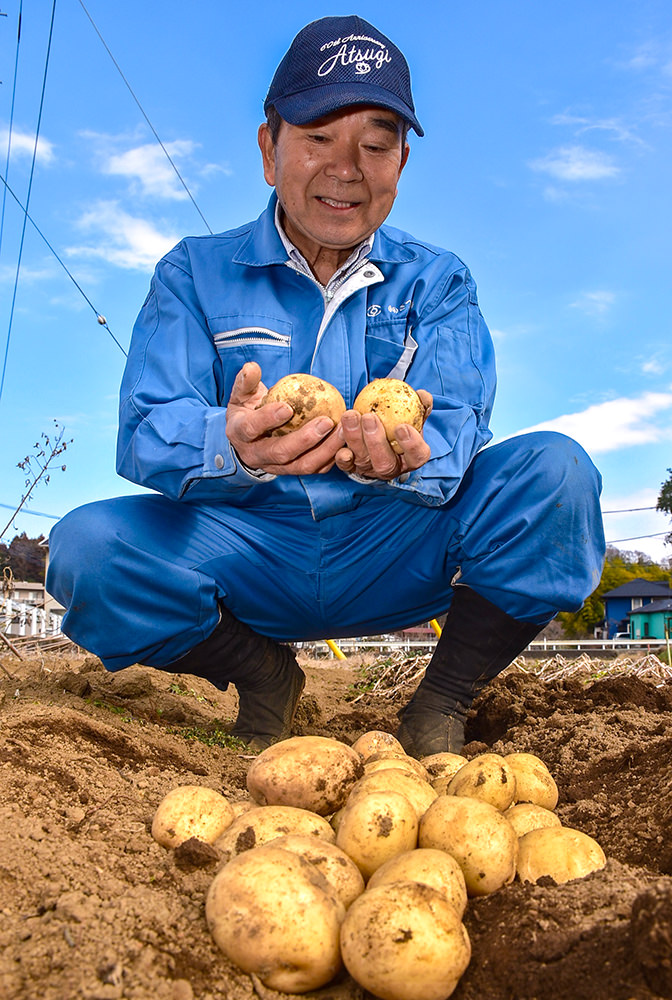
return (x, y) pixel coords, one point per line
(336, 178)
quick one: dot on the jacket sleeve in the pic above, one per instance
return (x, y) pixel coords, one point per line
(454, 360)
(171, 418)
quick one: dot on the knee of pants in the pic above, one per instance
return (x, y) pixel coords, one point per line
(79, 545)
(560, 462)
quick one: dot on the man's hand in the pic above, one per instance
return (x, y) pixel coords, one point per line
(308, 450)
(367, 451)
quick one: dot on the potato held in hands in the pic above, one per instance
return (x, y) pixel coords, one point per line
(394, 402)
(308, 396)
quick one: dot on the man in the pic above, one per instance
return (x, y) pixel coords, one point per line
(252, 541)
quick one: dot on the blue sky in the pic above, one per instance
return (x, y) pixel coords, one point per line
(546, 166)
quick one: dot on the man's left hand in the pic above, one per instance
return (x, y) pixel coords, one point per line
(367, 452)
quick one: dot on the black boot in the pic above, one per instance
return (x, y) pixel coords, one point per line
(265, 673)
(477, 642)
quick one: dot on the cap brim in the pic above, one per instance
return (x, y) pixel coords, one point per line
(308, 105)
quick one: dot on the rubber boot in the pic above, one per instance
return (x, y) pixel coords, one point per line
(477, 642)
(266, 675)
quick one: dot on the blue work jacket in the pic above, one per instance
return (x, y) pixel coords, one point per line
(409, 311)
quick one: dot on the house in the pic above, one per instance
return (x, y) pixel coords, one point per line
(630, 596)
(652, 621)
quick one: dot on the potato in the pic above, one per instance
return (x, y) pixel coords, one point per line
(274, 914)
(487, 777)
(378, 762)
(534, 782)
(375, 827)
(258, 826)
(481, 840)
(374, 741)
(419, 792)
(340, 871)
(429, 866)
(526, 816)
(191, 811)
(394, 402)
(558, 851)
(443, 765)
(309, 772)
(309, 397)
(404, 941)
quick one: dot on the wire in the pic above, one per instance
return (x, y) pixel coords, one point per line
(11, 121)
(144, 115)
(36, 513)
(658, 534)
(30, 186)
(100, 318)
(628, 510)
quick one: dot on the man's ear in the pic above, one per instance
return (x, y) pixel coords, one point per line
(267, 147)
(404, 158)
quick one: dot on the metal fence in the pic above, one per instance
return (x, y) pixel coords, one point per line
(18, 619)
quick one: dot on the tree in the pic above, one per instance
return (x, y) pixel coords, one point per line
(619, 568)
(665, 500)
(25, 557)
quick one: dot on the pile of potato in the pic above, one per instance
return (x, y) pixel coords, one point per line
(364, 857)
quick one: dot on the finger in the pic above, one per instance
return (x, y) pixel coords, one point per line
(246, 425)
(415, 450)
(427, 401)
(246, 383)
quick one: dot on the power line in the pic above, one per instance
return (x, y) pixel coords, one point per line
(658, 534)
(144, 115)
(99, 317)
(30, 186)
(628, 510)
(35, 513)
(11, 120)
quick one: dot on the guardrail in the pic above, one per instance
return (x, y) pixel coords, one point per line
(391, 644)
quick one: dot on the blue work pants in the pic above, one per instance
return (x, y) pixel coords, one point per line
(140, 576)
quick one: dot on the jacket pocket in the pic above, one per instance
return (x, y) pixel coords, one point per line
(459, 375)
(238, 340)
(390, 348)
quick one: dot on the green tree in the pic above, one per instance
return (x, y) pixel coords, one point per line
(619, 568)
(25, 557)
(665, 500)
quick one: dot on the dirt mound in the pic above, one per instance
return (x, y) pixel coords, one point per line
(94, 909)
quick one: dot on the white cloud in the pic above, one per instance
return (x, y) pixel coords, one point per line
(576, 163)
(614, 127)
(122, 239)
(149, 166)
(596, 303)
(23, 145)
(618, 423)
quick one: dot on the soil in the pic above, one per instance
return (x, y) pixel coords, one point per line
(93, 908)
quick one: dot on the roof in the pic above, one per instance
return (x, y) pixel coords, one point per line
(652, 608)
(641, 588)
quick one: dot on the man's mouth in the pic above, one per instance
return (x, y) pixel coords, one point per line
(333, 203)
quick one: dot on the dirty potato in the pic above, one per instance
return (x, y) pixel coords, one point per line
(405, 941)
(338, 868)
(275, 915)
(534, 782)
(559, 852)
(487, 777)
(375, 827)
(308, 396)
(394, 402)
(308, 772)
(191, 811)
(432, 867)
(258, 826)
(526, 816)
(481, 840)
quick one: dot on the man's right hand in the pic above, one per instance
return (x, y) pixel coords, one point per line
(308, 450)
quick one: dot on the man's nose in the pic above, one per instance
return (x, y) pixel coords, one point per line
(343, 163)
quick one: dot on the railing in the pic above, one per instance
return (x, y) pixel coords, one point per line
(393, 643)
(18, 619)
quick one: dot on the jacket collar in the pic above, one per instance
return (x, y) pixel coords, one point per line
(263, 245)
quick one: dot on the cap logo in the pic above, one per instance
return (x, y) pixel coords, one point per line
(362, 58)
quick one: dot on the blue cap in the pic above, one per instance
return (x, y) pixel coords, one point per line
(336, 62)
